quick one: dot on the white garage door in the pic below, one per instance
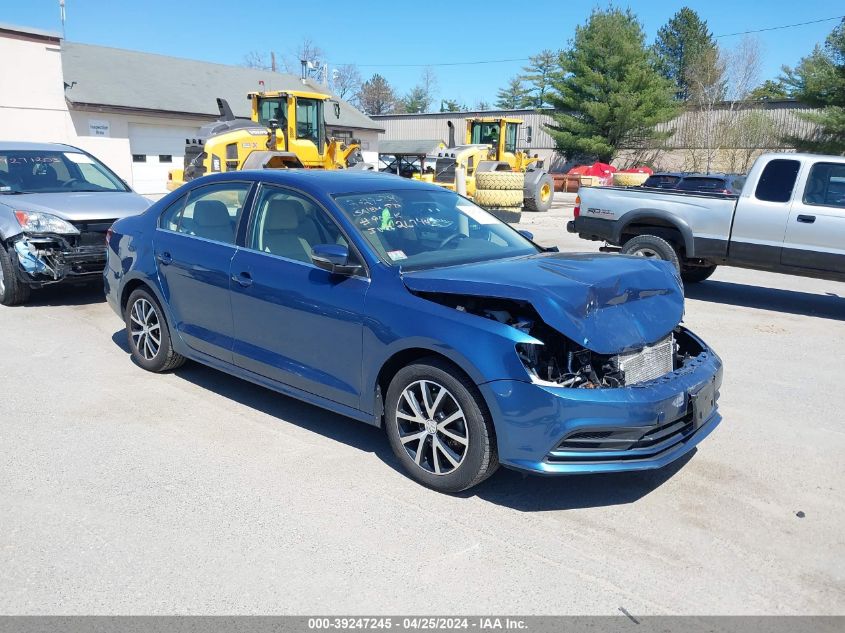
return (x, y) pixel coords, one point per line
(156, 149)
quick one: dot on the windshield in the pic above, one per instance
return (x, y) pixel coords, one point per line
(29, 171)
(418, 228)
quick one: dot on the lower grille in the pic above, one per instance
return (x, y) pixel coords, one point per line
(636, 440)
(648, 363)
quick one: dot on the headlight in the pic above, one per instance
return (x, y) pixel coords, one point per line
(35, 222)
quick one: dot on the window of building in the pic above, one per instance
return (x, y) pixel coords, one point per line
(139, 158)
(165, 158)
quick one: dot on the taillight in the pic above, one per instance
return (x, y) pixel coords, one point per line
(109, 233)
(577, 210)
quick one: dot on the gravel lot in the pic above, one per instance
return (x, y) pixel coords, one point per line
(123, 492)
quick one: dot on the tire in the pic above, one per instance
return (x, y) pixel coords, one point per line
(143, 308)
(12, 290)
(498, 198)
(499, 180)
(696, 274)
(653, 247)
(511, 216)
(446, 456)
(541, 195)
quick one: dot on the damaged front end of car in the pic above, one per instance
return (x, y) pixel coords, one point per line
(49, 249)
(553, 359)
(610, 380)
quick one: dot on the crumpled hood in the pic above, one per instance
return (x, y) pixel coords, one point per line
(81, 205)
(608, 303)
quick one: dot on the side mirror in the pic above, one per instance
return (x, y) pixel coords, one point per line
(529, 132)
(333, 258)
(528, 235)
(336, 110)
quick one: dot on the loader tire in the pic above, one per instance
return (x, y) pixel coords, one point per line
(541, 195)
(498, 198)
(493, 180)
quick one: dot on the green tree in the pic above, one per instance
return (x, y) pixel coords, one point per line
(819, 81)
(769, 89)
(416, 101)
(376, 96)
(607, 94)
(450, 105)
(538, 75)
(680, 42)
(513, 96)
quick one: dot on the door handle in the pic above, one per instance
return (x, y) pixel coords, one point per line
(164, 258)
(243, 279)
(807, 219)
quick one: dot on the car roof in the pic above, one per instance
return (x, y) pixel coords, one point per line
(36, 147)
(331, 182)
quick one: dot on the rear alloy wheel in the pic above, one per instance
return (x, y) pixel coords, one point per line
(437, 428)
(148, 334)
(652, 247)
(12, 291)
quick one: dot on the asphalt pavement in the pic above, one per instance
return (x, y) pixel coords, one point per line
(125, 492)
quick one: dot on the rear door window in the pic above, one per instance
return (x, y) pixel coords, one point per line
(210, 212)
(777, 180)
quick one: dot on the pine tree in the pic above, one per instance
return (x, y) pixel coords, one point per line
(538, 75)
(679, 44)
(819, 81)
(513, 96)
(376, 96)
(607, 93)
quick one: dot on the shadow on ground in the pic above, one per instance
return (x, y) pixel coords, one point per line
(506, 488)
(828, 306)
(67, 295)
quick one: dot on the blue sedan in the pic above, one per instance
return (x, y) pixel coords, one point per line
(404, 305)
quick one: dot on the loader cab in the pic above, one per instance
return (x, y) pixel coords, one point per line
(301, 122)
(501, 134)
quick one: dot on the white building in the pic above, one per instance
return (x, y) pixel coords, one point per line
(132, 110)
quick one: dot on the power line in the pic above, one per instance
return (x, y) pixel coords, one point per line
(485, 61)
(785, 26)
(525, 59)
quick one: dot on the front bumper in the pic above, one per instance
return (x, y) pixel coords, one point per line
(553, 430)
(44, 260)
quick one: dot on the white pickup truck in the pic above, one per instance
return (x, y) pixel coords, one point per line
(789, 218)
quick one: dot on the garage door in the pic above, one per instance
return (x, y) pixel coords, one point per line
(156, 149)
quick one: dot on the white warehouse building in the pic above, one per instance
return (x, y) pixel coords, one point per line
(132, 110)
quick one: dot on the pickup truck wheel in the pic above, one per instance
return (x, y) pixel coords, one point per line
(653, 247)
(438, 426)
(694, 274)
(12, 291)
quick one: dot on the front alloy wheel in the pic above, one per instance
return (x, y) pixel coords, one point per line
(439, 427)
(432, 427)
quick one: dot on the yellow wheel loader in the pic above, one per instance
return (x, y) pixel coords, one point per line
(287, 129)
(493, 166)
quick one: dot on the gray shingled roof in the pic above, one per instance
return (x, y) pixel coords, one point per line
(130, 79)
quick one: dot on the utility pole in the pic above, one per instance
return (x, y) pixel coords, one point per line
(62, 15)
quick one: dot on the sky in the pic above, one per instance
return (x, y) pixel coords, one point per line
(398, 39)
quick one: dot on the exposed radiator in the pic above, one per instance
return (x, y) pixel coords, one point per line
(650, 362)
